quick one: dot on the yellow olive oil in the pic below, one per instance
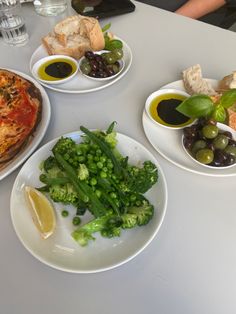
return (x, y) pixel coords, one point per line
(56, 69)
(163, 110)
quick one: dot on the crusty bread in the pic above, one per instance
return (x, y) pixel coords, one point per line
(194, 82)
(227, 82)
(76, 46)
(75, 35)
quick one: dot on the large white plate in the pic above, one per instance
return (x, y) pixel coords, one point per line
(37, 135)
(80, 84)
(169, 143)
(60, 251)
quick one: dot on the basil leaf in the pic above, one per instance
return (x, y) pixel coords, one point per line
(113, 44)
(228, 98)
(219, 113)
(196, 106)
(106, 27)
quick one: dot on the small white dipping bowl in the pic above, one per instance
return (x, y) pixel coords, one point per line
(121, 62)
(150, 106)
(46, 61)
(222, 127)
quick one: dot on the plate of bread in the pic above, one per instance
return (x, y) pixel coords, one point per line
(193, 83)
(72, 37)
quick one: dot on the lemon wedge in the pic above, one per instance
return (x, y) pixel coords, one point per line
(42, 211)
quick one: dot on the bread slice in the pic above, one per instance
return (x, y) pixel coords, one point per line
(64, 29)
(195, 84)
(75, 35)
(228, 82)
(76, 46)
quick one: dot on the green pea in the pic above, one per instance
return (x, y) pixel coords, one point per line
(103, 174)
(98, 193)
(64, 213)
(81, 158)
(103, 159)
(113, 195)
(76, 221)
(98, 152)
(66, 156)
(99, 165)
(93, 181)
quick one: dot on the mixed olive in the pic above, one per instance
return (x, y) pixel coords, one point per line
(209, 145)
(101, 65)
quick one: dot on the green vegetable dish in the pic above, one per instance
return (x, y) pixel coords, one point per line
(94, 177)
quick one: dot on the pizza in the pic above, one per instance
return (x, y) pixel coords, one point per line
(20, 113)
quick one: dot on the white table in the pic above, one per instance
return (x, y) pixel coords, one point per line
(190, 266)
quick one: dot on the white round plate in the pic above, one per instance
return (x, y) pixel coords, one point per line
(60, 251)
(80, 84)
(37, 135)
(168, 143)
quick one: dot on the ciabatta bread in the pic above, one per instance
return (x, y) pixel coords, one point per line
(194, 83)
(227, 82)
(74, 36)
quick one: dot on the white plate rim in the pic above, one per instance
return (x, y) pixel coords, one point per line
(38, 133)
(161, 215)
(178, 84)
(106, 83)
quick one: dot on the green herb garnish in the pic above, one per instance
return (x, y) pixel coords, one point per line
(198, 106)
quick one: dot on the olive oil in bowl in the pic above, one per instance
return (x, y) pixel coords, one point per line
(161, 108)
(55, 69)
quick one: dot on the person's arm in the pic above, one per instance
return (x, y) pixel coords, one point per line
(198, 8)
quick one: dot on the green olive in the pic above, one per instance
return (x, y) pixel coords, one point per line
(210, 131)
(221, 141)
(205, 156)
(118, 53)
(231, 150)
(85, 68)
(200, 144)
(109, 58)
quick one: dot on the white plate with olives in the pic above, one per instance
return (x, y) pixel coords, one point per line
(80, 83)
(169, 143)
(102, 65)
(213, 146)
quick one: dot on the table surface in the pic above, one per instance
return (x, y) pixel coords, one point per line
(189, 267)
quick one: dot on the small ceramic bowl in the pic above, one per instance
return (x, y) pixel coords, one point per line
(56, 69)
(160, 108)
(121, 67)
(222, 128)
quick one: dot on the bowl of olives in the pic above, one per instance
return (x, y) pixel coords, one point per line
(102, 65)
(210, 144)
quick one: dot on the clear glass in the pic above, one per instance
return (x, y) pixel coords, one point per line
(12, 24)
(50, 7)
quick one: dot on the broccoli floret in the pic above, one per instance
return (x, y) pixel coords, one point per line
(108, 226)
(64, 145)
(138, 215)
(140, 179)
(111, 139)
(129, 221)
(49, 163)
(65, 194)
(83, 172)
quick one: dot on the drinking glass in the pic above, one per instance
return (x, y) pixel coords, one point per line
(50, 7)
(12, 24)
